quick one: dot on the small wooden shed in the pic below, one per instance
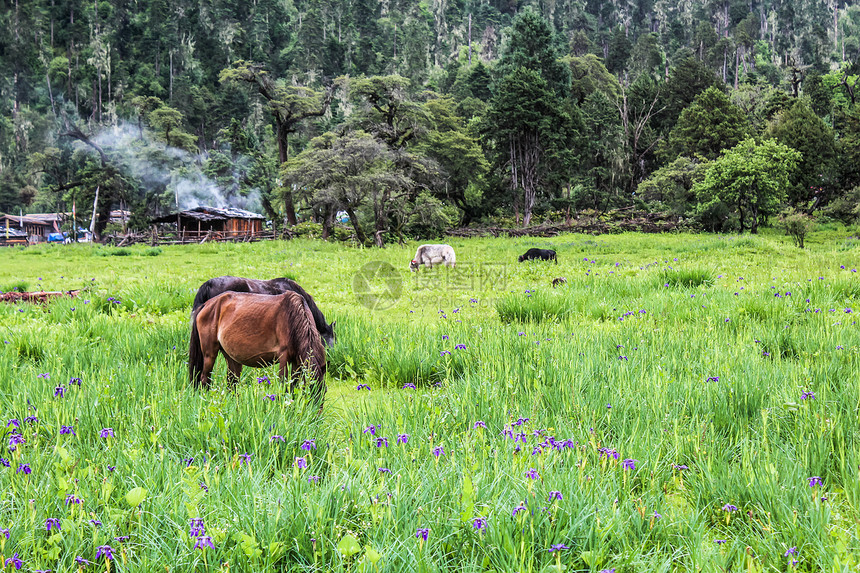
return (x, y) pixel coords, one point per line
(214, 222)
(35, 227)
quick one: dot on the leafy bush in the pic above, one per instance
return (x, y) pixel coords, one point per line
(796, 225)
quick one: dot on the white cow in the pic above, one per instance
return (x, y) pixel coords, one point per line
(430, 255)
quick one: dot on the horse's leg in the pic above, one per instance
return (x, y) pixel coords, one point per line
(208, 365)
(234, 371)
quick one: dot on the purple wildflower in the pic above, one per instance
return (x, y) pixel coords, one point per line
(460, 347)
(196, 527)
(362, 387)
(730, 508)
(14, 561)
(517, 509)
(719, 541)
(814, 481)
(402, 438)
(301, 463)
(81, 561)
(52, 522)
(106, 432)
(438, 451)
(381, 442)
(409, 386)
(277, 437)
(558, 547)
(479, 523)
(629, 464)
(13, 422)
(59, 391)
(808, 395)
(75, 382)
(371, 429)
(555, 495)
(479, 424)
(203, 542)
(246, 459)
(422, 533)
(309, 445)
(532, 474)
(384, 470)
(790, 551)
(23, 468)
(105, 551)
(313, 479)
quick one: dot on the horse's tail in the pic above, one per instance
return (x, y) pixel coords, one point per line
(311, 349)
(195, 353)
(318, 318)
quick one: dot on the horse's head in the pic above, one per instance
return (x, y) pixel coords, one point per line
(329, 337)
(413, 265)
(522, 258)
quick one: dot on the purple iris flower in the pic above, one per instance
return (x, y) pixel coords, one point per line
(402, 438)
(246, 459)
(809, 395)
(371, 429)
(555, 495)
(309, 445)
(532, 474)
(814, 481)
(301, 463)
(518, 509)
(105, 551)
(59, 392)
(362, 387)
(438, 451)
(196, 527)
(730, 508)
(479, 523)
(204, 541)
(14, 561)
(479, 424)
(67, 430)
(106, 432)
(629, 464)
(422, 533)
(381, 442)
(313, 479)
(52, 522)
(409, 386)
(24, 468)
(558, 547)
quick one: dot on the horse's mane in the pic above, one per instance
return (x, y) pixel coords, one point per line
(308, 340)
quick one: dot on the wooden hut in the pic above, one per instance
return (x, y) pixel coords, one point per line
(35, 227)
(214, 223)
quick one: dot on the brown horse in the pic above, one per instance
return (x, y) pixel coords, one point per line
(257, 330)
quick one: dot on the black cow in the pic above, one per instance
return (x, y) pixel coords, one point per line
(542, 254)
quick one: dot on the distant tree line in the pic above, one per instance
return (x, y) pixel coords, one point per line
(412, 117)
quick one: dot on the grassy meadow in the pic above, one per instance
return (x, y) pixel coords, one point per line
(682, 403)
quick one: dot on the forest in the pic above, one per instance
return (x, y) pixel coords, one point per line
(406, 118)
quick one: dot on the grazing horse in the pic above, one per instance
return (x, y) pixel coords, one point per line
(558, 281)
(256, 330)
(216, 286)
(429, 255)
(542, 254)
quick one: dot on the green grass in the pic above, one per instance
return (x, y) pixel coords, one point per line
(713, 373)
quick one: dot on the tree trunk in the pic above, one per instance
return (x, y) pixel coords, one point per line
(359, 233)
(284, 156)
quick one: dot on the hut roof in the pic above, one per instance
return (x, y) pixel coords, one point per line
(210, 214)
